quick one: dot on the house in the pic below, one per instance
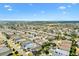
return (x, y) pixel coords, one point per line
(2, 37)
(59, 52)
(19, 40)
(68, 37)
(29, 45)
(77, 40)
(4, 51)
(77, 51)
(63, 48)
(39, 40)
(64, 45)
(78, 44)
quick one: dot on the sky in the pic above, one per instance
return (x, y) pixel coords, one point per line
(39, 11)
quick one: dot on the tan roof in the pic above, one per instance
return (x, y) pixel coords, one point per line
(65, 45)
(2, 36)
(77, 51)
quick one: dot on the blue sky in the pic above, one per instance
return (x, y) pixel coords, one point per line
(39, 11)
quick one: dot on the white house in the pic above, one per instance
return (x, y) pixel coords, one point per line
(59, 52)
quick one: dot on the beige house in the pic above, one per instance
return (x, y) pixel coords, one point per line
(64, 45)
(77, 51)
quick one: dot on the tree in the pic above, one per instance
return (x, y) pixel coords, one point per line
(7, 36)
(73, 48)
(16, 52)
(30, 54)
(46, 52)
(50, 39)
(10, 54)
(54, 44)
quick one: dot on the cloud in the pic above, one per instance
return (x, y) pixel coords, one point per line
(62, 7)
(69, 6)
(43, 12)
(8, 7)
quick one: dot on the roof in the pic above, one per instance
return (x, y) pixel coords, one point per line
(61, 52)
(29, 45)
(77, 51)
(65, 45)
(4, 50)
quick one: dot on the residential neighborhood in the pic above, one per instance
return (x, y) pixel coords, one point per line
(43, 39)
